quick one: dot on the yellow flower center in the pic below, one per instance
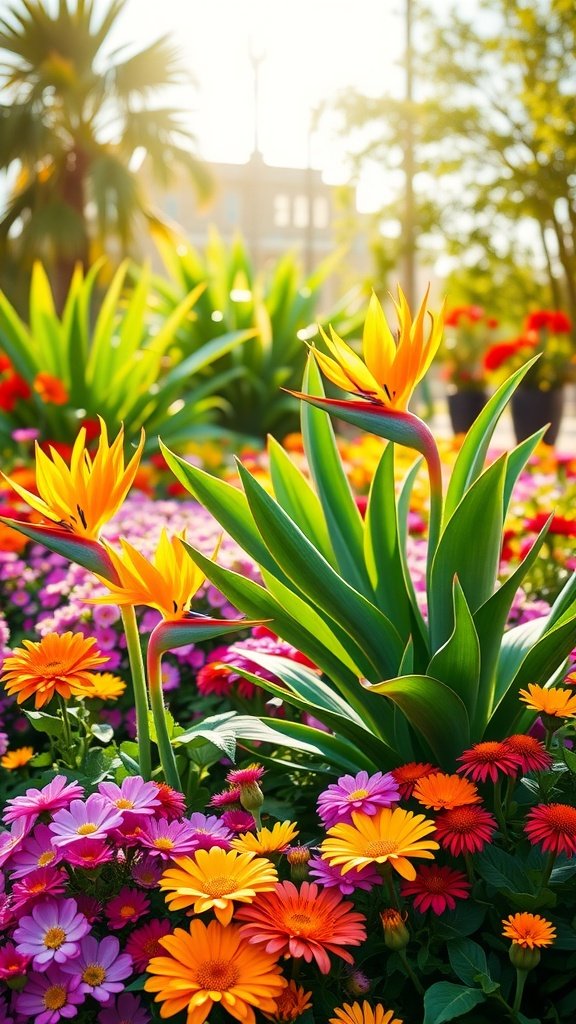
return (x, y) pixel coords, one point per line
(54, 938)
(357, 794)
(163, 843)
(37, 887)
(127, 910)
(94, 975)
(54, 997)
(45, 858)
(123, 804)
(87, 829)
(381, 848)
(220, 886)
(216, 975)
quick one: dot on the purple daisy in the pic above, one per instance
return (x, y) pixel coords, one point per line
(147, 871)
(331, 877)
(51, 932)
(361, 792)
(55, 795)
(168, 839)
(134, 796)
(93, 818)
(209, 830)
(12, 841)
(101, 967)
(50, 996)
(127, 1009)
(37, 851)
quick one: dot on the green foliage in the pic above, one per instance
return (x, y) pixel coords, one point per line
(119, 363)
(280, 304)
(339, 589)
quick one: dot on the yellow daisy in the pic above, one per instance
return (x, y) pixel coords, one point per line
(267, 840)
(554, 701)
(213, 879)
(387, 837)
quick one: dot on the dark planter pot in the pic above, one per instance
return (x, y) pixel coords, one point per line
(464, 407)
(532, 409)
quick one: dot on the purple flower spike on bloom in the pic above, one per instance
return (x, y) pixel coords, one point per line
(50, 996)
(101, 967)
(55, 795)
(52, 932)
(134, 796)
(92, 819)
(361, 792)
(127, 1009)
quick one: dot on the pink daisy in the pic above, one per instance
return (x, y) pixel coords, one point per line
(210, 831)
(245, 776)
(128, 906)
(36, 886)
(94, 818)
(12, 963)
(147, 871)
(168, 839)
(37, 851)
(228, 798)
(134, 796)
(487, 760)
(13, 840)
(101, 967)
(50, 996)
(172, 803)
(331, 877)
(127, 1009)
(34, 802)
(88, 853)
(142, 944)
(52, 932)
(437, 888)
(238, 821)
(130, 831)
(361, 792)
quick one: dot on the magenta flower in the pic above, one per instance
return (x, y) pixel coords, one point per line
(12, 841)
(94, 818)
(89, 906)
(238, 821)
(209, 831)
(50, 996)
(331, 877)
(101, 967)
(172, 803)
(37, 851)
(127, 1009)
(52, 932)
(168, 839)
(36, 886)
(88, 853)
(361, 792)
(148, 871)
(142, 944)
(55, 795)
(128, 906)
(130, 831)
(436, 888)
(245, 776)
(12, 963)
(134, 796)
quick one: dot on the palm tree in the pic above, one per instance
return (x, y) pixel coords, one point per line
(72, 120)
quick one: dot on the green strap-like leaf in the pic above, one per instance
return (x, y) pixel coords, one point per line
(293, 492)
(434, 711)
(457, 662)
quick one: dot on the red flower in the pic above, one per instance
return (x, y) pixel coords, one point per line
(554, 826)
(172, 803)
(464, 829)
(12, 388)
(143, 943)
(215, 678)
(530, 753)
(485, 760)
(498, 354)
(50, 389)
(407, 775)
(437, 888)
(559, 525)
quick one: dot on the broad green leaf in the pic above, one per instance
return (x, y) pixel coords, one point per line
(315, 577)
(101, 345)
(517, 460)
(342, 516)
(434, 711)
(445, 1001)
(467, 960)
(479, 516)
(16, 341)
(457, 662)
(293, 492)
(502, 870)
(41, 721)
(472, 455)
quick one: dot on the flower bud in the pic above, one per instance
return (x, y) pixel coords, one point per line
(396, 935)
(523, 958)
(357, 983)
(298, 857)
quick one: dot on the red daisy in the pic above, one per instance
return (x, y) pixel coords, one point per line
(407, 775)
(143, 943)
(436, 888)
(485, 760)
(228, 798)
(172, 803)
(554, 826)
(308, 923)
(530, 753)
(245, 776)
(465, 829)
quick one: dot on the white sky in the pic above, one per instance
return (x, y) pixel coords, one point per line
(310, 49)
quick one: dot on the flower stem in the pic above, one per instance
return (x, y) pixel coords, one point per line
(548, 867)
(520, 982)
(410, 972)
(167, 759)
(138, 688)
(67, 731)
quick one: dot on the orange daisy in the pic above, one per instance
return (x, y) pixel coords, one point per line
(17, 758)
(354, 1013)
(50, 389)
(444, 792)
(291, 1004)
(389, 836)
(213, 964)
(59, 664)
(407, 775)
(554, 701)
(267, 840)
(529, 930)
(213, 879)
